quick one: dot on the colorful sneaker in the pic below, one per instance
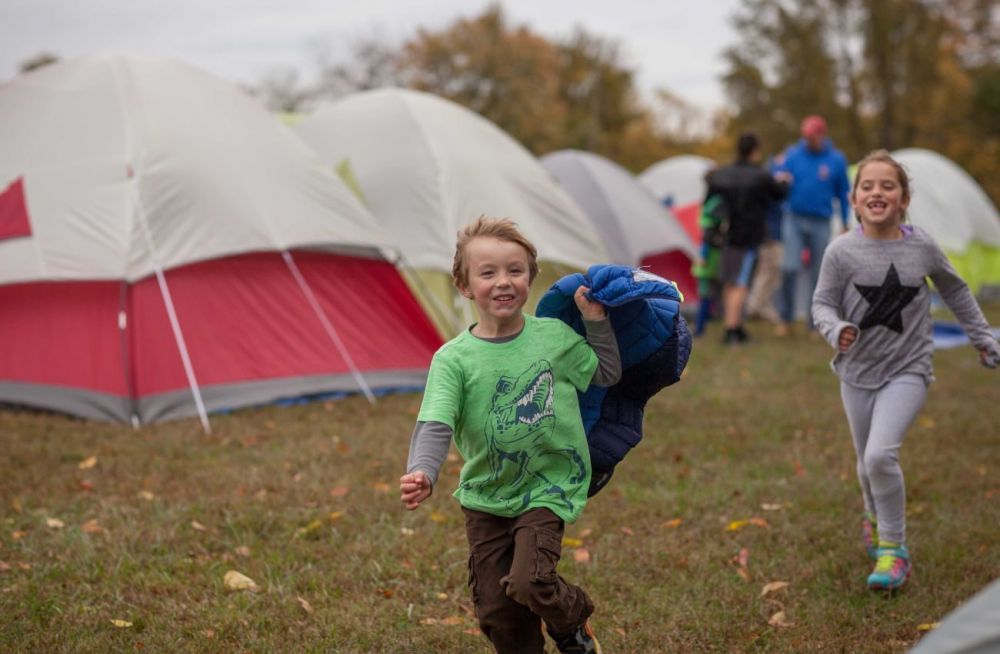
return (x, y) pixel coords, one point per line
(869, 534)
(892, 567)
(581, 641)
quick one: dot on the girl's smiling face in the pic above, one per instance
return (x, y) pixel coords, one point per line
(880, 200)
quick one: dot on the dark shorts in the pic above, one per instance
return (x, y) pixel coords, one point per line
(737, 265)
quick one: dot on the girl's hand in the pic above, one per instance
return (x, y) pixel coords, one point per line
(988, 358)
(589, 309)
(847, 337)
(414, 488)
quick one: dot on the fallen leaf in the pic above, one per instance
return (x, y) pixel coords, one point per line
(581, 555)
(91, 527)
(243, 550)
(121, 624)
(306, 606)
(620, 631)
(758, 522)
(406, 531)
(18, 535)
(208, 633)
(234, 580)
(928, 626)
(386, 592)
(453, 620)
(927, 422)
(779, 620)
(442, 596)
(339, 491)
(4, 566)
(770, 507)
(736, 525)
(571, 542)
(473, 631)
(336, 515)
(800, 470)
(85, 485)
(87, 463)
(772, 586)
(310, 528)
(672, 524)
(54, 523)
(24, 566)
(743, 572)
(197, 526)
(16, 505)
(381, 487)
(627, 531)
(343, 448)
(146, 495)
(429, 621)
(437, 517)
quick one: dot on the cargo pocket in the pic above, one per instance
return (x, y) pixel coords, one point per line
(548, 549)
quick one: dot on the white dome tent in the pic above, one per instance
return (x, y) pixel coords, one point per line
(428, 166)
(949, 204)
(638, 230)
(679, 183)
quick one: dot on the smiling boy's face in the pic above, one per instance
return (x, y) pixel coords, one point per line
(498, 279)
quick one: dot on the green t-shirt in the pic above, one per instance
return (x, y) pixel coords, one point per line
(514, 411)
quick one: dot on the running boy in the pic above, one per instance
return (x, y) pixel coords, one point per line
(506, 390)
(872, 304)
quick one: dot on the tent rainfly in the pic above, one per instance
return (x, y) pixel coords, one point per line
(638, 230)
(427, 167)
(168, 248)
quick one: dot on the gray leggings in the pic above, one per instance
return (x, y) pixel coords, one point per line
(879, 419)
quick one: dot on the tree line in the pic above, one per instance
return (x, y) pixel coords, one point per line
(884, 73)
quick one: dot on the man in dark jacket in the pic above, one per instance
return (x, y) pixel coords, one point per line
(748, 190)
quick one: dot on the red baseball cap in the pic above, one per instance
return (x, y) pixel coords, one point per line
(813, 126)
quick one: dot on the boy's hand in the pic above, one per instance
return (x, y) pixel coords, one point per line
(589, 309)
(988, 358)
(847, 337)
(414, 488)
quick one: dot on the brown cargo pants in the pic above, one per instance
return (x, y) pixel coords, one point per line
(512, 574)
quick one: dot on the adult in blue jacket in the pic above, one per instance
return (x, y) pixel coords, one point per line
(819, 176)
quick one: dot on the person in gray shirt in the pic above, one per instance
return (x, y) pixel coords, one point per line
(872, 304)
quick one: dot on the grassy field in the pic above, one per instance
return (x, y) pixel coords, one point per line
(745, 476)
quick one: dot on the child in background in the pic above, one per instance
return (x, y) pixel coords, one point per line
(705, 269)
(872, 304)
(506, 391)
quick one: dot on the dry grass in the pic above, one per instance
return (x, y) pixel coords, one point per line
(303, 500)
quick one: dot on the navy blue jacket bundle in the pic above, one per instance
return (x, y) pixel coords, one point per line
(654, 343)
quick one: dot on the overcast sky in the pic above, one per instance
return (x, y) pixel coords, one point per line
(673, 44)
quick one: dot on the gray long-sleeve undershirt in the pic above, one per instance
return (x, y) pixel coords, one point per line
(430, 441)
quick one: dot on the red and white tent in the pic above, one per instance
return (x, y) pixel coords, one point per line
(636, 229)
(679, 183)
(167, 248)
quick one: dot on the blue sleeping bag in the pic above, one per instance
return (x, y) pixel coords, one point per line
(654, 342)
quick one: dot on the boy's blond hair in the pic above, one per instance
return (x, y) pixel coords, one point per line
(503, 229)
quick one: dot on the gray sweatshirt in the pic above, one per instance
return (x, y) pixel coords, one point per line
(430, 441)
(880, 287)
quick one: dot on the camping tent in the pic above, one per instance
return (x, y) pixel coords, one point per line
(637, 229)
(956, 212)
(168, 248)
(428, 166)
(679, 183)
(972, 628)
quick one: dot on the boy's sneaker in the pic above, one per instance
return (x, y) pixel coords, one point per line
(892, 567)
(581, 641)
(869, 534)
